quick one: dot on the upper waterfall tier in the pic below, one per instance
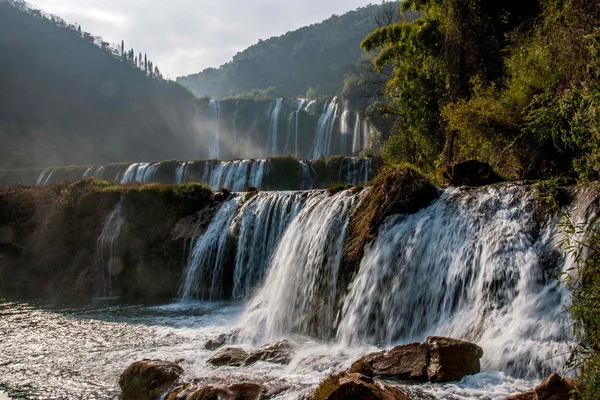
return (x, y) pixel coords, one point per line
(277, 173)
(230, 129)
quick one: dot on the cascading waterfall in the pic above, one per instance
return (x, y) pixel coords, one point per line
(260, 224)
(272, 146)
(302, 283)
(323, 143)
(356, 136)
(106, 244)
(139, 172)
(214, 112)
(359, 170)
(308, 181)
(203, 275)
(345, 128)
(234, 175)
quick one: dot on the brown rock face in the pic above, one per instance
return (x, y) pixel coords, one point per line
(408, 362)
(148, 379)
(471, 173)
(233, 356)
(451, 359)
(553, 388)
(247, 391)
(357, 387)
(280, 353)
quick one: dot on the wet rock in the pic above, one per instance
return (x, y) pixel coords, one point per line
(408, 362)
(280, 353)
(439, 359)
(233, 356)
(357, 387)
(553, 388)
(247, 391)
(216, 343)
(148, 379)
(471, 173)
(452, 359)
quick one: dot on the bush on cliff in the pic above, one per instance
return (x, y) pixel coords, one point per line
(284, 173)
(401, 191)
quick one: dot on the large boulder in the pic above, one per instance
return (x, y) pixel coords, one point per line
(439, 359)
(452, 359)
(408, 362)
(471, 173)
(279, 352)
(553, 388)
(232, 356)
(148, 379)
(357, 387)
(238, 391)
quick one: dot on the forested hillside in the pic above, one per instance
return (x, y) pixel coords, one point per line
(67, 97)
(309, 62)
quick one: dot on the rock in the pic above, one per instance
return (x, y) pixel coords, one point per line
(148, 379)
(247, 391)
(452, 359)
(408, 362)
(553, 388)
(280, 353)
(233, 356)
(216, 343)
(362, 367)
(471, 173)
(357, 387)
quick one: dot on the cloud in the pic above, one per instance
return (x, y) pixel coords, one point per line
(185, 36)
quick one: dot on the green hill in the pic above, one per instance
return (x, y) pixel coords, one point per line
(311, 61)
(67, 97)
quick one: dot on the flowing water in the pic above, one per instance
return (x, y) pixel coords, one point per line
(477, 264)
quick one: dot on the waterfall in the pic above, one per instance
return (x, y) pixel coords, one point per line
(204, 274)
(234, 175)
(214, 112)
(360, 170)
(323, 142)
(473, 265)
(356, 136)
(260, 224)
(139, 172)
(302, 283)
(88, 172)
(344, 129)
(274, 128)
(44, 176)
(308, 181)
(109, 265)
(180, 173)
(235, 128)
(292, 126)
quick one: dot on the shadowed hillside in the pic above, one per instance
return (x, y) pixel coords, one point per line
(66, 97)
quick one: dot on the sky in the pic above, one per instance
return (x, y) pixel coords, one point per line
(183, 37)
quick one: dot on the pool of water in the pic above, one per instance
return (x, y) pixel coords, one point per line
(78, 350)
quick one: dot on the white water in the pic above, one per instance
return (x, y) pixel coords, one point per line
(299, 292)
(260, 225)
(345, 129)
(214, 112)
(109, 265)
(203, 275)
(234, 175)
(323, 142)
(356, 136)
(359, 170)
(272, 146)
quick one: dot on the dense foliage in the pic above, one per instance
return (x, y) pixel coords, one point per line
(510, 83)
(311, 61)
(67, 97)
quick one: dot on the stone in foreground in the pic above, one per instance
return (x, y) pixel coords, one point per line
(232, 356)
(148, 379)
(279, 353)
(356, 386)
(439, 359)
(553, 388)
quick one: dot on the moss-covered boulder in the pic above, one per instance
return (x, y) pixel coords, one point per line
(149, 379)
(402, 191)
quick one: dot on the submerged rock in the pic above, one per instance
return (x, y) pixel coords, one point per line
(214, 344)
(439, 359)
(471, 173)
(279, 352)
(148, 379)
(452, 359)
(357, 387)
(232, 356)
(553, 388)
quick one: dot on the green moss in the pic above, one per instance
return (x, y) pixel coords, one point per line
(283, 173)
(338, 187)
(327, 386)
